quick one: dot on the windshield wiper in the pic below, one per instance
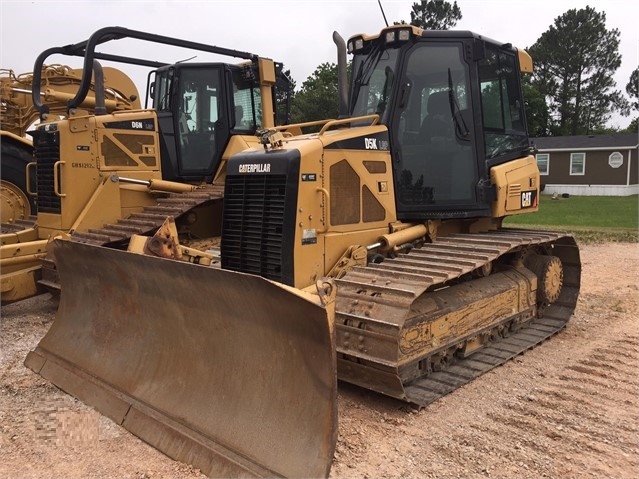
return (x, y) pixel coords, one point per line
(388, 83)
(363, 74)
(460, 124)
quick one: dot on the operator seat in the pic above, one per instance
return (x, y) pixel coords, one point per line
(438, 124)
(239, 115)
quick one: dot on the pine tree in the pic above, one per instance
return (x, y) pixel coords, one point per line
(575, 60)
(435, 14)
(632, 88)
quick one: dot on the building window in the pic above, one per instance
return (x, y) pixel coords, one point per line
(543, 163)
(577, 163)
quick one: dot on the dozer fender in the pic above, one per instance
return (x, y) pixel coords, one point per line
(229, 372)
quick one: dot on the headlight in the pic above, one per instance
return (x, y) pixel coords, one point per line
(395, 34)
(404, 35)
(355, 44)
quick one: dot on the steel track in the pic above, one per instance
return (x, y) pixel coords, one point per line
(177, 205)
(150, 218)
(373, 301)
(18, 225)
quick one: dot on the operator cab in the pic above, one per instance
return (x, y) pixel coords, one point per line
(453, 105)
(193, 102)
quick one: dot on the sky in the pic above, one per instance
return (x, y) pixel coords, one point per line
(295, 32)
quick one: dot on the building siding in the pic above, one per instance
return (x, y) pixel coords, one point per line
(633, 177)
(597, 170)
(599, 177)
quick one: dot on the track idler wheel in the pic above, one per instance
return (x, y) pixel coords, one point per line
(550, 275)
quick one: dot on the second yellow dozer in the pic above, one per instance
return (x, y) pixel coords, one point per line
(56, 85)
(107, 170)
(22, 242)
(400, 203)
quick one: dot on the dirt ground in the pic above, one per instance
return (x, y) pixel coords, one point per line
(567, 409)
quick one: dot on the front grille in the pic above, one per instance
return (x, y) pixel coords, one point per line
(252, 235)
(47, 153)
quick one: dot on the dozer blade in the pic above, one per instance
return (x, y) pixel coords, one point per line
(226, 371)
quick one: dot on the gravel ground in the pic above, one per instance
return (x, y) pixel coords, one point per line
(569, 408)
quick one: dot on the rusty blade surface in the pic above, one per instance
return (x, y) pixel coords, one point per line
(225, 371)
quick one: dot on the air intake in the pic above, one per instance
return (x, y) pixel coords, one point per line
(46, 146)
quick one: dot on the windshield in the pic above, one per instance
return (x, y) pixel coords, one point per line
(373, 77)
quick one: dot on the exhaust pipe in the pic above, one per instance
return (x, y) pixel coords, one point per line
(100, 105)
(342, 80)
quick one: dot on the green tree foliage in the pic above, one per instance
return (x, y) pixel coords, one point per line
(317, 99)
(575, 60)
(434, 14)
(284, 92)
(633, 127)
(632, 88)
(537, 114)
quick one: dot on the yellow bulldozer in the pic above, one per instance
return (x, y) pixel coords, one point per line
(58, 84)
(115, 158)
(373, 250)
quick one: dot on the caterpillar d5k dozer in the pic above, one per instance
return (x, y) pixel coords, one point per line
(401, 201)
(103, 172)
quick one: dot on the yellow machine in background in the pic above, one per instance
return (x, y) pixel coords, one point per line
(399, 203)
(114, 159)
(58, 84)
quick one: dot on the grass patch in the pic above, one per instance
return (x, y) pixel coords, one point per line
(591, 219)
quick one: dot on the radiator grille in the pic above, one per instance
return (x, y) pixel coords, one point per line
(46, 153)
(254, 212)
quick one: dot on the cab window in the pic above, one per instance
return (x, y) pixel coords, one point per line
(502, 105)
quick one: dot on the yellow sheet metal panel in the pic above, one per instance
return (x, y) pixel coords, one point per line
(525, 61)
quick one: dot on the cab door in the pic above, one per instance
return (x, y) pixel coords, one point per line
(436, 171)
(201, 129)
